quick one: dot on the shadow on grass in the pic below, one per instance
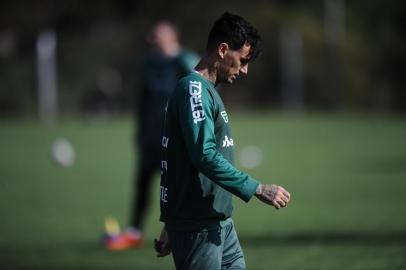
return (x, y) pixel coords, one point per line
(74, 255)
(344, 238)
(298, 238)
(76, 248)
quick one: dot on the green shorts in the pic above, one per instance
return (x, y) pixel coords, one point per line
(209, 249)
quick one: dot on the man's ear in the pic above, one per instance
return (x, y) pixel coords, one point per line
(223, 49)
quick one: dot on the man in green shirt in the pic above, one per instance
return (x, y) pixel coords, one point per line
(198, 177)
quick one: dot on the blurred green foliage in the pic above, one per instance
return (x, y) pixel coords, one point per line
(110, 35)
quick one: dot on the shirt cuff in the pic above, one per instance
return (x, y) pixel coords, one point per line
(248, 189)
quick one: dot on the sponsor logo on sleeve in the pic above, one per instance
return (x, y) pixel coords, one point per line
(195, 91)
(227, 142)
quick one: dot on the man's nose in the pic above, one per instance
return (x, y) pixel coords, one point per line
(244, 69)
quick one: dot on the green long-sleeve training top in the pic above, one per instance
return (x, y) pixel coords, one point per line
(197, 171)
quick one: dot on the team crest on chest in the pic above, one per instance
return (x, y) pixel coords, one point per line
(225, 116)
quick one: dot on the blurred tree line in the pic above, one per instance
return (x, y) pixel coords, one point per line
(328, 55)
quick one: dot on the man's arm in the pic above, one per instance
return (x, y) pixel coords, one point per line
(196, 118)
(197, 123)
(161, 245)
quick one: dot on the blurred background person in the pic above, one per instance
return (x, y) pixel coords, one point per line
(159, 71)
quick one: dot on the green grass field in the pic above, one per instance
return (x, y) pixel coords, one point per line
(346, 174)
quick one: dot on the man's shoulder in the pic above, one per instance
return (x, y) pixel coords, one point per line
(191, 76)
(194, 85)
(193, 79)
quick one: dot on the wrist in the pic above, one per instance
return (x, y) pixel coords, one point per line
(259, 190)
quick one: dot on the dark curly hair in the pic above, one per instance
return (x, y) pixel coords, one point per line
(235, 31)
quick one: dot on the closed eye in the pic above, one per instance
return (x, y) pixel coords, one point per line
(244, 61)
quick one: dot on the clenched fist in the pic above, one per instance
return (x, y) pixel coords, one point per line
(161, 245)
(273, 195)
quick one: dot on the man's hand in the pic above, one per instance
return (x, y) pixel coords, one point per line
(162, 245)
(273, 195)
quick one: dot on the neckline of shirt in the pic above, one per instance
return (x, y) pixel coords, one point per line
(204, 78)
